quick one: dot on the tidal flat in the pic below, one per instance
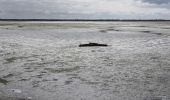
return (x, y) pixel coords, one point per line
(43, 61)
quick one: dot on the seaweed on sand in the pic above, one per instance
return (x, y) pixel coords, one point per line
(92, 45)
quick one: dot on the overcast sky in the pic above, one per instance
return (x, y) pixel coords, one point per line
(72, 9)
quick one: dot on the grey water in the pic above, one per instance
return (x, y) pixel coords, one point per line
(42, 61)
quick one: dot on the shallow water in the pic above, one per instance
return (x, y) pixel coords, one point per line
(42, 61)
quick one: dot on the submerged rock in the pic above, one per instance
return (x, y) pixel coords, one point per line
(92, 44)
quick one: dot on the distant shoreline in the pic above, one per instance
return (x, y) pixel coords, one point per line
(94, 20)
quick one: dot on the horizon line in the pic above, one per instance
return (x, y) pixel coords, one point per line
(2, 19)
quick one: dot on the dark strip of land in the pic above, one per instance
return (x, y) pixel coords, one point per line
(96, 20)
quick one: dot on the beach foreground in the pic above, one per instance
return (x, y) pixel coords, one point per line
(43, 61)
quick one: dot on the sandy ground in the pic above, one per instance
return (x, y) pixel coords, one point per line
(42, 61)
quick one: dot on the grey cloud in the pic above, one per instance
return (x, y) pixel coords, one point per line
(164, 4)
(33, 9)
(56, 9)
(157, 1)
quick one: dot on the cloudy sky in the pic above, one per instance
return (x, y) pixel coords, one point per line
(72, 9)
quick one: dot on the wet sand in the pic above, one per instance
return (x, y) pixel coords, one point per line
(43, 61)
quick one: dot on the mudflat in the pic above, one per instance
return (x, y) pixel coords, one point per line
(42, 61)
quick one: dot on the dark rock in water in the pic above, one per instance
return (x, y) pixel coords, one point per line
(92, 45)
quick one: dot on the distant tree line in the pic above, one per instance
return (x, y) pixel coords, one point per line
(85, 20)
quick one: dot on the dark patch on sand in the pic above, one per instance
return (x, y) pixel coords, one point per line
(103, 31)
(14, 98)
(92, 45)
(60, 70)
(10, 60)
(68, 82)
(155, 98)
(146, 31)
(13, 59)
(109, 29)
(157, 33)
(3, 81)
(141, 26)
(165, 28)
(7, 76)
(113, 30)
(151, 32)
(20, 26)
